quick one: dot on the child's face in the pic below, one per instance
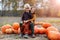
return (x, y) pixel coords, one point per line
(27, 9)
(32, 10)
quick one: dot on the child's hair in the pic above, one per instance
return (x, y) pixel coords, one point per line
(27, 6)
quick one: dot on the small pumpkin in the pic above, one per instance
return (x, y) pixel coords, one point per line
(16, 26)
(16, 31)
(4, 27)
(42, 30)
(9, 31)
(46, 25)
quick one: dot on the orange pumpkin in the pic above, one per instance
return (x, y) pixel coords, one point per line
(29, 32)
(58, 35)
(36, 30)
(9, 31)
(46, 25)
(16, 31)
(42, 30)
(53, 35)
(16, 26)
(26, 28)
(51, 29)
(5, 27)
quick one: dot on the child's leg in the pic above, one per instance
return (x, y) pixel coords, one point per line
(24, 27)
(21, 29)
(32, 27)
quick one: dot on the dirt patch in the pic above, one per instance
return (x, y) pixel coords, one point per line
(16, 37)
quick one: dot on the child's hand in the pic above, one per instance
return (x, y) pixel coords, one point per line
(26, 21)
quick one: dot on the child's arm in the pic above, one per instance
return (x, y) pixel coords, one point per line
(33, 19)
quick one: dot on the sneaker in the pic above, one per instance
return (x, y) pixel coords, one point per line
(33, 36)
(21, 35)
(26, 36)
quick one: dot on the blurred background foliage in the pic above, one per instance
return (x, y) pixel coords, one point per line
(45, 8)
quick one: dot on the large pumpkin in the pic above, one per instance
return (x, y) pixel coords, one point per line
(46, 25)
(52, 28)
(5, 27)
(35, 30)
(16, 26)
(16, 31)
(9, 31)
(28, 32)
(53, 35)
(26, 28)
(42, 30)
(58, 35)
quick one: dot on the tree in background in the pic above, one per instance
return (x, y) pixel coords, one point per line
(44, 7)
(11, 4)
